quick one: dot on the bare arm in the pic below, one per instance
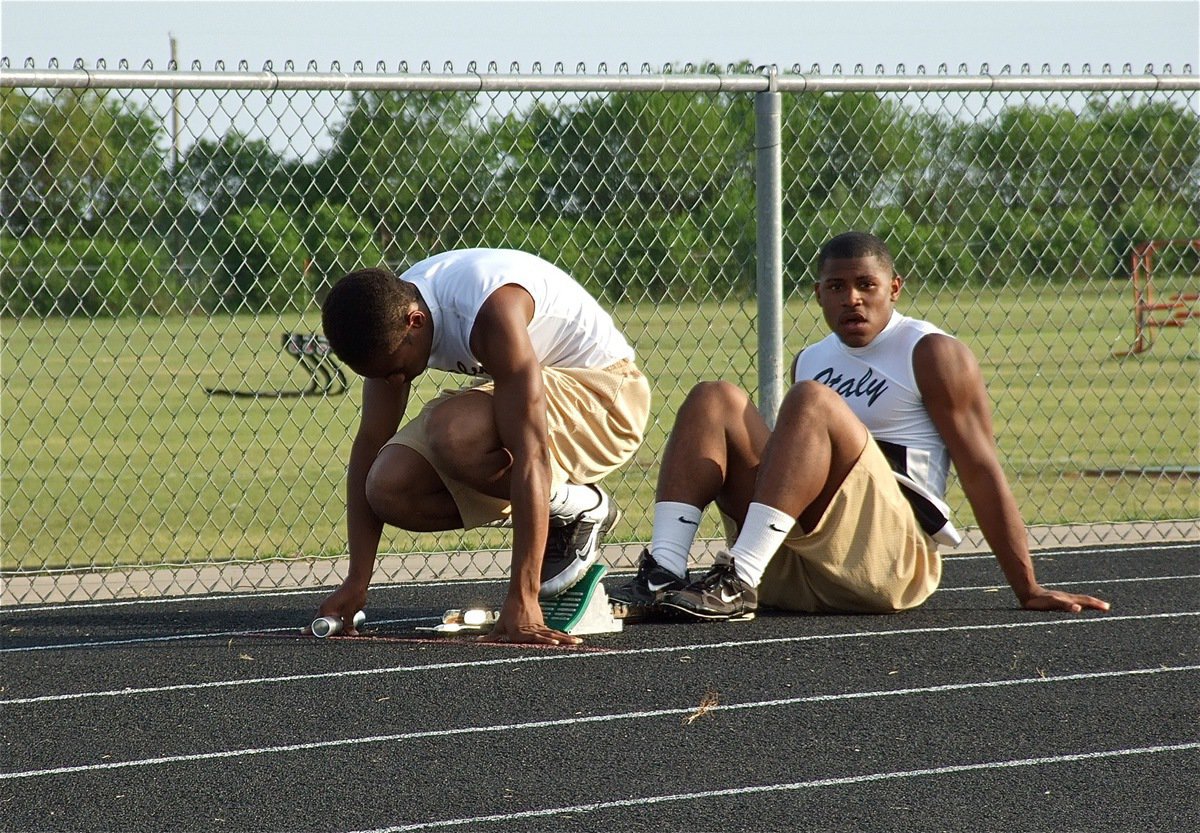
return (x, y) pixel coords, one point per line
(951, 384)
(382, 408)
(501, 341)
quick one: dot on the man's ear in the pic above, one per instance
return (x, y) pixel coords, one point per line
(897, 284)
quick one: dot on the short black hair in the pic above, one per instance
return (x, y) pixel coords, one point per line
(853, 244)
(363, 314)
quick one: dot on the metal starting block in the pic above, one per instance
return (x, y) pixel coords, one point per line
(581, 609)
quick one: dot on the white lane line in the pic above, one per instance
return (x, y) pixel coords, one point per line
(951, 558)
(220, 597)
(141, 640)
(988, 588)
(991, 588)
(585, 655)
(209, 597)
(603, 718)
(796, 785)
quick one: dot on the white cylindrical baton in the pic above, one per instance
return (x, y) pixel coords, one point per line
(330, 625)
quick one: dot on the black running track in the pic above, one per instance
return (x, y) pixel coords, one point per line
(212, 713)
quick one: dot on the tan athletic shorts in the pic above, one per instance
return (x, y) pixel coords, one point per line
(866, 555)
(595, 417)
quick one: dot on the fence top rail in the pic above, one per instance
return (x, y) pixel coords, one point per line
(767, 79)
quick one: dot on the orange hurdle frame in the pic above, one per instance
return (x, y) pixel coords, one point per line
(1182, 306)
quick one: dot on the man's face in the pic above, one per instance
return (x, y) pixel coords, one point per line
(407, 360)
(857, 296)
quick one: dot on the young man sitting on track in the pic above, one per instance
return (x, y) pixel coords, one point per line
(558, 404)
(840, 508)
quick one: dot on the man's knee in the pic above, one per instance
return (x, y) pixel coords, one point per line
(385, 489)
(811, 406)
(716, 397)
(816, 401)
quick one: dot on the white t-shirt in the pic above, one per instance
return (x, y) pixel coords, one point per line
(569, 328)
(878, 383)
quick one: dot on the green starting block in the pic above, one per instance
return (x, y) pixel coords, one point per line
(581, 609)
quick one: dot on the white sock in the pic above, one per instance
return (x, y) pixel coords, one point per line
(570, 500)
(758, 540)
(675, 528)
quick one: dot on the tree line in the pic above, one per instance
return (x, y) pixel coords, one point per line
(641, 195)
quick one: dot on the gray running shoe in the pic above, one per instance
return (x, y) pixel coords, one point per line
(719, 594)
(572, 549)
(648, 587)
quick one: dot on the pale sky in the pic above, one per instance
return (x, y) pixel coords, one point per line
(974, 32)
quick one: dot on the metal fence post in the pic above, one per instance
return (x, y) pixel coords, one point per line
(769, 200)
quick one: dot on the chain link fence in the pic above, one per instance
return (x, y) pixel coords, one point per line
(173, 424)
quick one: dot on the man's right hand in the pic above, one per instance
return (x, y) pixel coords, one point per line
(530, 629)
(1042, 599)
(343, 603)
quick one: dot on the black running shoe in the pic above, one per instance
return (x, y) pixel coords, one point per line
(719, 594)
(648, 587)
(571, 549)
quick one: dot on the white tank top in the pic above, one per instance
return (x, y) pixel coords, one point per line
(878, 383)
(569, 328)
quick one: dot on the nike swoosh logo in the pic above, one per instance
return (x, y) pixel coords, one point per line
(777, 529)
(654, 588)
(725, 597)
(593, 536)
(684, 520)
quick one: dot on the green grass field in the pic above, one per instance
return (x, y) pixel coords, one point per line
(114, 454)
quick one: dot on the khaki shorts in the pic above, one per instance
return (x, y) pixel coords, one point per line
(595, 417)
(866, 555)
